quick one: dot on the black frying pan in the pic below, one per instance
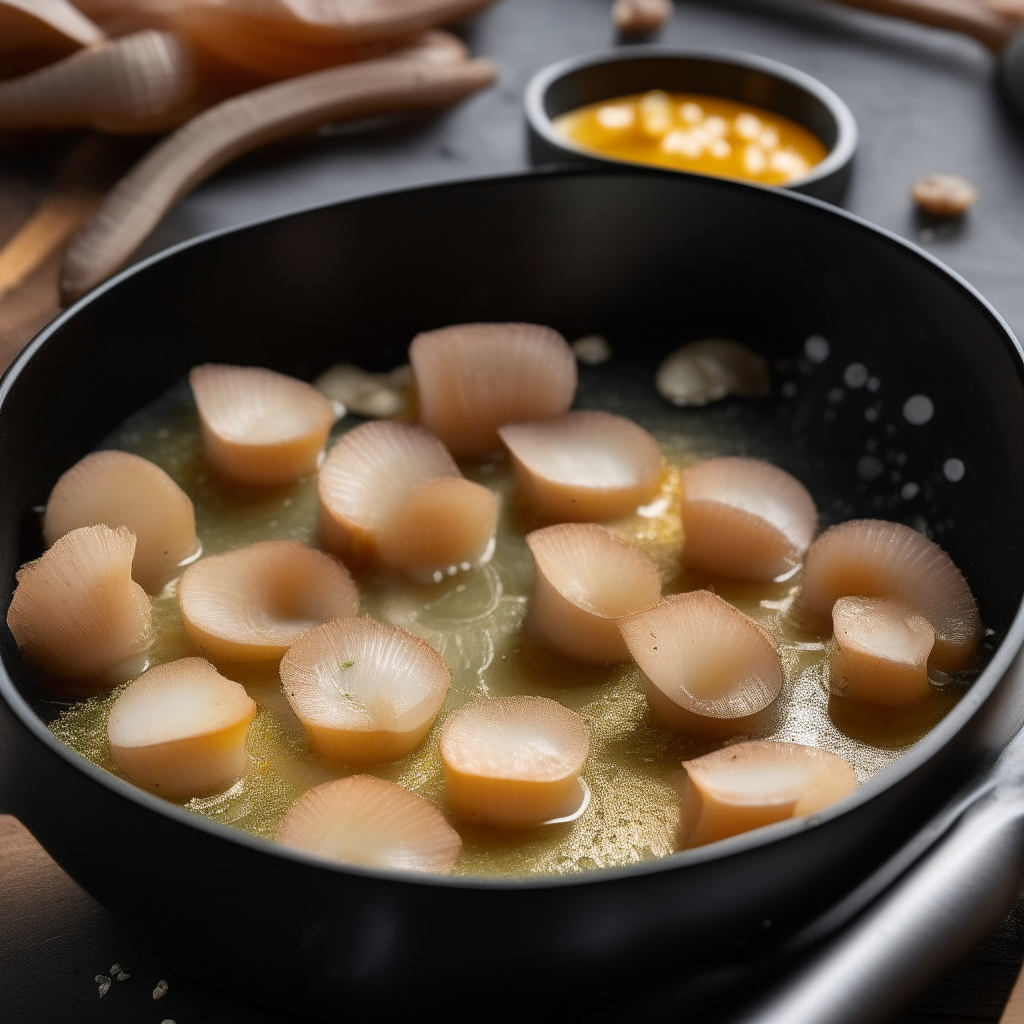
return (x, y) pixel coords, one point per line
(650, 260)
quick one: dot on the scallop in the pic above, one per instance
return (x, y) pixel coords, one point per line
(445, 526)
(747, 785)
(880, 651)
(376, 395)
(474, 378)
(705, 371)
(706, 666)
(121, 489)
(365, 691)
(78, 615)
(251, 604)
(875, 558)
(179, 730)
(514, 762)
(138, 84)
(371, 823)
(587, 578)
(260, 427)
(392, 493)
(583, 466)
(745, 519)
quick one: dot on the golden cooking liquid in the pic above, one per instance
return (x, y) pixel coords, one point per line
(693, 132)
(475, 621)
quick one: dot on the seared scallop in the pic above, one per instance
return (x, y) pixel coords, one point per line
(875, 558)
(260, 427)
(707, 370)
(880, 651)
(77, 613)
(121, 489)
(179, 729)
(376, 395)
(745, 519)
(514, 762)
(251, 604)
(392, 493)
(473, 378)
(747, 785)
(706, 666)
(587, 578)
(583, 466)
(371, 823)
(365, 691)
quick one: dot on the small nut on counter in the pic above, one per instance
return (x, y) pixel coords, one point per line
(944, 195)
(634, 16)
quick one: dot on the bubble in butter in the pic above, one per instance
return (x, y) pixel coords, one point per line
(692, 132)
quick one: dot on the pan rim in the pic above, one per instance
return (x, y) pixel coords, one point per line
(904, 766)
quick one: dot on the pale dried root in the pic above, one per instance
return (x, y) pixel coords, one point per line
(179, 730)
(77, 614)
(45, 29)
(365, 691)
(747, 785)
(336, 23)
(142, 83)
(396, 84)
(371, 823)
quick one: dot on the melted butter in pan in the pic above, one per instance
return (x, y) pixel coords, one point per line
(475, 621)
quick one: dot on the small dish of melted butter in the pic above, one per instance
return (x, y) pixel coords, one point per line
(695, 132)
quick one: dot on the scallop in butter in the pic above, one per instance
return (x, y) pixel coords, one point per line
(695, 132)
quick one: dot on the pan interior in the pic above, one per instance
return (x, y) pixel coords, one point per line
(476, 621)
(859, 330)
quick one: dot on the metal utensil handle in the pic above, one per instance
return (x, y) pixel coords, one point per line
(925, 922)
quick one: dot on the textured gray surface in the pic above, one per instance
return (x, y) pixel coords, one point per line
(925, 102)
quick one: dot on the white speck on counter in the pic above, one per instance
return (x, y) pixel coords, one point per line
(115, 969)
(855, 375)
(104, 984)
(953, 470)
(909, 491)
(918, 410)
(123, 975)
(161, 989)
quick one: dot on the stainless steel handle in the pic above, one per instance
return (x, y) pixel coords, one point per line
(926, 921)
